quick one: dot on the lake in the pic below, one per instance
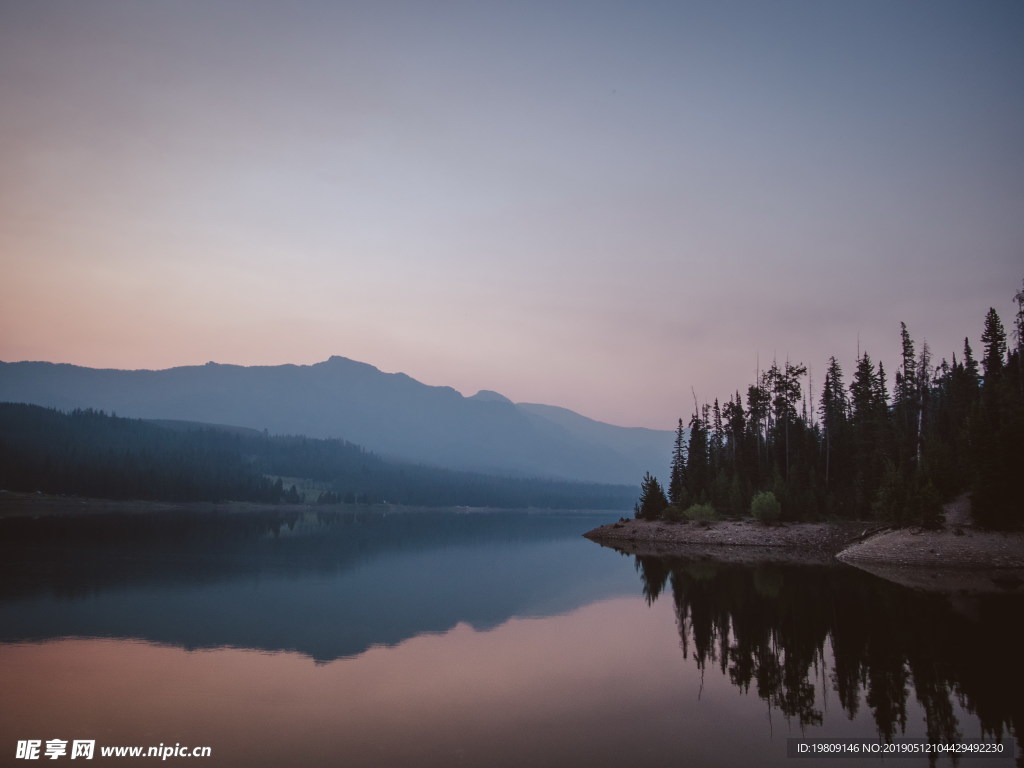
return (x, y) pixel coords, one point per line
(440, 638)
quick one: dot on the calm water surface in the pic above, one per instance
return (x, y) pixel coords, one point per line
(472, 638)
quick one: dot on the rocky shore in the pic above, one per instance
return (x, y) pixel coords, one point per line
(958, 557)
(731, 539)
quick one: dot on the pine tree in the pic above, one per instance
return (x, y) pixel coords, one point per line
(906, 400)
(833, 410)
(924, 377)
(867, 422)
(1018, 320)
(997, 435)
(994, 339)
(970, 364)
(757, 415)
(652, 499)
(735, 425)
(787, 394)
(906, 374)
(677, 475)
(1018, 334)
(717, 446)
(698, 469)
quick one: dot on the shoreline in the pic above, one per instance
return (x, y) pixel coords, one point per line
(22, 504)
(822, 540)
(956, 558)
(15, 504)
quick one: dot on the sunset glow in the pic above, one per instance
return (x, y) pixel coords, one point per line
(597, 206)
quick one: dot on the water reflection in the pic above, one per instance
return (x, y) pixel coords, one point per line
(784, 632)
(476, 639)
(546, 692)
(326, 585)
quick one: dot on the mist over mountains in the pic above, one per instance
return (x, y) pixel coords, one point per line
(391, 414)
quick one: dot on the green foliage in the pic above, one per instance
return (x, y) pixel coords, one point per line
(698, 464)
(908, 499)
(994, 339)
(652, 499)
(677, 474)
(90, 453)
(672, 514)
(701, 513)
(765, 508)
(950, 428)
(997, 435)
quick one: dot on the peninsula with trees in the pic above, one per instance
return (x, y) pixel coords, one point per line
(943, 451)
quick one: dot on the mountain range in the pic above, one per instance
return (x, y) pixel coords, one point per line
(390, 414)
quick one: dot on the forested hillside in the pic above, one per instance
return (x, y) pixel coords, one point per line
(90, 453)
(391, 414)
(860, 451)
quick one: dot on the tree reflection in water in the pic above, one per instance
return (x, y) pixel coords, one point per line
(769, 628)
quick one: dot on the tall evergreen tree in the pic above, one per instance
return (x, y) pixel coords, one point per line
(698, 467)
(757, 417)
(997, 434)
(677, 475)
(833, 410)
(905, 374)
(1018, 334)
(993, 337)
(652, 499)
(868, 421)
(735, 425)
(924, 379)
(906, 400)
(717, 446)
(787, 395)
(1018, 319)
(970, 364)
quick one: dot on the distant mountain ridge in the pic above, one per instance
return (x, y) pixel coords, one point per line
(389, 413)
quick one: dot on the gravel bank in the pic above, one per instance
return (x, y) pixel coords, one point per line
(958, 556)
(734, 540)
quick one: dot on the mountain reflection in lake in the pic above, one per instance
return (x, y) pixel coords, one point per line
(448, 638)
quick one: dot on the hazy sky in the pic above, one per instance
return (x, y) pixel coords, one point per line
(591, 204)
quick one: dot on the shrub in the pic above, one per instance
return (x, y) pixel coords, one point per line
(702, 513)
(672, 514)
(765, 507)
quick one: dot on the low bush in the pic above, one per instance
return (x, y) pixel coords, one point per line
(672, 514)
(765, 507)
(701, 513)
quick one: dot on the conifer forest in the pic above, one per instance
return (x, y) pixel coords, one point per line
(856, 449)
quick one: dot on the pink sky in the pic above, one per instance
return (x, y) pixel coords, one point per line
(596, 209)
